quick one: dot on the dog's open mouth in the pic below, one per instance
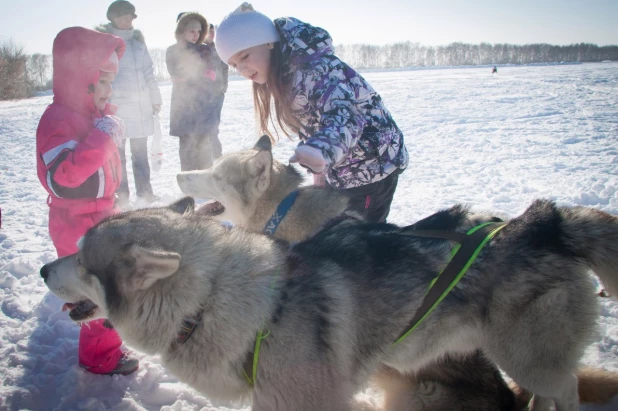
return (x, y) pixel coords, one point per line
(81, 310)
(211, 209)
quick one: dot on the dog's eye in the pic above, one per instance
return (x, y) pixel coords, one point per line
(427, 388)
(127, 262)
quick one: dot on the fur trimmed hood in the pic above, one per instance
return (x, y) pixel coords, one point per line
(109, 28)
(185, 18)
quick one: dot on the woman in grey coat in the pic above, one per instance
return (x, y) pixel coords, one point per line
(137, 95)
(192, 116)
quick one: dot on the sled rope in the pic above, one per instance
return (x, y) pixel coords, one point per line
(462, 257)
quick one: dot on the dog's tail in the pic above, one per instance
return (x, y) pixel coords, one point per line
(594, 385)
(583, 233)
(593, 235)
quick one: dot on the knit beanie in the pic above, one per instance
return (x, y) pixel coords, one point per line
(120, 8)
(242, 29)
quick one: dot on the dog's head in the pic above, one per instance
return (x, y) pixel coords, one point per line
(119, 257)
(236, 181)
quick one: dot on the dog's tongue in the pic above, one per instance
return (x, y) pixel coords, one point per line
(68, 306)
(211, 208)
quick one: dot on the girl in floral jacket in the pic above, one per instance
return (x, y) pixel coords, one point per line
(347, 134)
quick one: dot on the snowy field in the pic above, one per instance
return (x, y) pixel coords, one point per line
(495, 142)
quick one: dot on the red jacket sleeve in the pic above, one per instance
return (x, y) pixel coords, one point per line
(64, 156)
(85, 159)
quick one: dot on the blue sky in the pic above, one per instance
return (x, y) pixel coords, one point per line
(34, 23)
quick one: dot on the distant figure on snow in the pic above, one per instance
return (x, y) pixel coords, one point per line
(494, 70)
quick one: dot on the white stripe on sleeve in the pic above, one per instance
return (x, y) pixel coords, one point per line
(50, 155)
(101, 183)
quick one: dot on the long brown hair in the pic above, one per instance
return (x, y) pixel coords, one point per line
(276, 90)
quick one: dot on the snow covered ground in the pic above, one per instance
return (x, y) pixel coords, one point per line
(493, 141)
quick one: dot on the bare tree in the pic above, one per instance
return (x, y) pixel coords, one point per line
(39, 70)
(14, 81)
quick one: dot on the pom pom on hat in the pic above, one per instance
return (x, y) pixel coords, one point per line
(242, 29)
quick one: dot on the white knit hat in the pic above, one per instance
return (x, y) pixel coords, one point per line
(242, 29)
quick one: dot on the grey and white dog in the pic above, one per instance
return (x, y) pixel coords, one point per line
(330, 307)
(248, 186)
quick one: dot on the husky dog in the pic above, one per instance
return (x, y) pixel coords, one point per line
(472, 383)
(328, 309)
(249, 185)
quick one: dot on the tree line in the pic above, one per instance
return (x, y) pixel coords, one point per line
(22, 75)
(408, 54)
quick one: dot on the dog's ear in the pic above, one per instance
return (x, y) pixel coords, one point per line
(263, 143)
(185, 205)
(152, 265)
(261, 167)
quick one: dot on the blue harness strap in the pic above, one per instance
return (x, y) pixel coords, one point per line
(280, 213)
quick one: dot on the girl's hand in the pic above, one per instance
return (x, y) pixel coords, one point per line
(319, 180)
(310, 158)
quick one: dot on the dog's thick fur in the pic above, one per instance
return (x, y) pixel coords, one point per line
(334, 304)
(250, 184)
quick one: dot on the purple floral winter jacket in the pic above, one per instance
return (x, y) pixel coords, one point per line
(341, 114)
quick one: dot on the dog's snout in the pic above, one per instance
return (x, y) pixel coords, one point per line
(44, 272)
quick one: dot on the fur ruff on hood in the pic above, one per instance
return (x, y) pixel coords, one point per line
(106, 28)
(184, 20)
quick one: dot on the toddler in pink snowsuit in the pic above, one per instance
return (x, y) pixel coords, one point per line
(79, 165)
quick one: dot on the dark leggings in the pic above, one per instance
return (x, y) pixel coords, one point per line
(373, 201)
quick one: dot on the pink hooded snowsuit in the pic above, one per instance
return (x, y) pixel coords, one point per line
(79, 166)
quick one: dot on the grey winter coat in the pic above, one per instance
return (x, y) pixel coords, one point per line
(340, 113)
(191, 111)
(220, 68)
(135, 87)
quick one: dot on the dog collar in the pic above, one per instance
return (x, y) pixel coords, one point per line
(189, 324)
(280, 213)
